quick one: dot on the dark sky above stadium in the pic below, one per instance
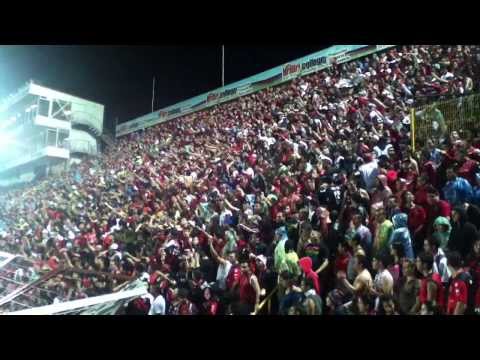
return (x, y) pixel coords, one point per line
(120, 77)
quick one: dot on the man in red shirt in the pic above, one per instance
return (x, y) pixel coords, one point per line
(249, 288)
(431, 288)
(459, 286)
(435, 208)
(343, 257)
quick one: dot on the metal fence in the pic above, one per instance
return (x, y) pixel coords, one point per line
(437, 120)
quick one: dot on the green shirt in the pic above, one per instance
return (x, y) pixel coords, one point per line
(382, 235)
(291, 260)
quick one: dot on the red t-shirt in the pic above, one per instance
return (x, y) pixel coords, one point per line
(423, 295)
(252, 159)
(442, 208)
(458, 292)
(421, 196)
(416, 217)
(467, 170)
(247, 292)
(430, 169)
(52, 263)
(233, 276)
(211, 307)
(341, 263)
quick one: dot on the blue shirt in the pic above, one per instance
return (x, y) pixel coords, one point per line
(458, 191)
(476, 195)
(402, 235)
(435, 156)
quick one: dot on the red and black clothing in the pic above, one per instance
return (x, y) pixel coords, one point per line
(247, 292)
(458, 291)
(440, 296)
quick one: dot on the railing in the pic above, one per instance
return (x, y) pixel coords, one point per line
(267, 302)
(439, 119)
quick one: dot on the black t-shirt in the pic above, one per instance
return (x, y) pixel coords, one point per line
(259, 182)
(266, 228)
(268, 280)
(333, 239)
(327, 198)
(462, 238)
(292, 228)
(473, 215)
(318, 253)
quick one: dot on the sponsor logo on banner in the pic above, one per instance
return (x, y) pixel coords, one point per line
(229, 92)
(215, 96)
(313, 64)
(291, 70)
(212, 97)
(339, 58)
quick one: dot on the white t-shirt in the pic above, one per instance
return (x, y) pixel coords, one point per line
(369, 172)
(224, 214)
(222, 273)
(381, 278)
(249, 172)
(380, 152)
(158, 306)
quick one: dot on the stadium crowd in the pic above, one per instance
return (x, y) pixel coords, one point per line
(310, 188)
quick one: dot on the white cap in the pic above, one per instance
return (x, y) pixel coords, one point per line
(263, 259)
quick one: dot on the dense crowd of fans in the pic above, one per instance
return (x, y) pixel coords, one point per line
(310, 189)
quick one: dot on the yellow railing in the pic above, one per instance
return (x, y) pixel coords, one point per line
(438, 119)
(267, 302)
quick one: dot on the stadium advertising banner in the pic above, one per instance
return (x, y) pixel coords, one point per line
(214, 97)
(294, 69)
(257, 85)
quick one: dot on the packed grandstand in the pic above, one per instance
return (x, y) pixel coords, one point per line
(306, 198)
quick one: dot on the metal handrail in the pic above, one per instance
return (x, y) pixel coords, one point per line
(267, 301)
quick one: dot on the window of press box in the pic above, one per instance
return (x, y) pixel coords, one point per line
(43, 106)
(61, 109)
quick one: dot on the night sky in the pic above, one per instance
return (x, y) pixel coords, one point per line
(120, 77)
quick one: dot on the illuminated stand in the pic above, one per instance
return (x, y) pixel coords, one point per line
(42, 130)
